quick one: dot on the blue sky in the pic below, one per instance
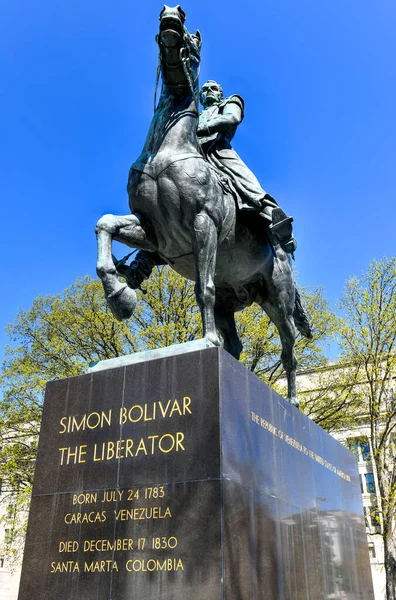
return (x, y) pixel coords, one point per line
(77, 83)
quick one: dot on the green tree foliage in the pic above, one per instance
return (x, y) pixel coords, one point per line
(60, 335)
(168, 313)
(361, 388)
(368, 342)
(331, 397)
(261, 343)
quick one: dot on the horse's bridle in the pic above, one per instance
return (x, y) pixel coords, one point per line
(187, 53)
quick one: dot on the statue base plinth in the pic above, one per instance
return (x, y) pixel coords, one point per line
(187, 477)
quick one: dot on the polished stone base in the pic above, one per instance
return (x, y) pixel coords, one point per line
(186, 477)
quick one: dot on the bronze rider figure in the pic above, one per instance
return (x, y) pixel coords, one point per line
(217, 126)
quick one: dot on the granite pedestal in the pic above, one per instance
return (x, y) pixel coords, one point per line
(186, 477)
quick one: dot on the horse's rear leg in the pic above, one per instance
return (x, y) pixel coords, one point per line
(205, 247)
(128, 230)
(225, 323)
(283, 319)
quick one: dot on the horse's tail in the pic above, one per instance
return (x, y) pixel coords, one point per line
(300, 318)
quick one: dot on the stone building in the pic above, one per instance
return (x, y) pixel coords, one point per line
(357, 440)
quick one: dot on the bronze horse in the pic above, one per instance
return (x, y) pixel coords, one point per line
(184, 211)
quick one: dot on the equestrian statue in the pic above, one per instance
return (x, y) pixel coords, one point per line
(198, 208)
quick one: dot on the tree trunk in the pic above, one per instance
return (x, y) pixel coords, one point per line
(390, 562)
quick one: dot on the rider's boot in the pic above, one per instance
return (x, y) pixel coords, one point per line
(280, 228)
(140, 269)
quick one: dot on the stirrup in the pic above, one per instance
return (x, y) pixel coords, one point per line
(138, 271)
(290, 246)
(282, 231)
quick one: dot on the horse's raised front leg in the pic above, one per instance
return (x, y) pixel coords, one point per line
(205, 248)
(127, 230)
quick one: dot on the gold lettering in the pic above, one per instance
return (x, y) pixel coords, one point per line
(96, 419)
(69, 566)
(153, 564)
(186, 405)
(75, 425)
(82, 453)
(123, 415)
(142, 513)
(85, 498)
(70, 546)
(92, 423)
(106, 418)
(63, 424)
(140, 415)
(153, 438)
(89, 517)
(146, 417)
(101, 566)
(118, 544)
(148, 412)
(297, 445)
(95, 457)
(120, 448)
(166, 408)
(110, 450)
(141, 446)
(179, 440)
(175, 408)
(161, 442)
(129, 445)
(73, 456)
(80, 423)
(255, 417)
(133, 495)
(62, 450)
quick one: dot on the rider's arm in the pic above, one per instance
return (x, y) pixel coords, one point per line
(231, 117)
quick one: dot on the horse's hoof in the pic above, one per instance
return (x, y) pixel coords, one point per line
(213, 339)
(295, 401)
(122, 303)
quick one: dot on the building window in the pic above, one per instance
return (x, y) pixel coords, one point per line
(371, 548)
(1, 562)
(370, 485)
(361, 484)
(360, 447)
(365, 450)
(353, 447)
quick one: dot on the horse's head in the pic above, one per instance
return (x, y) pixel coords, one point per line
(179, 52)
